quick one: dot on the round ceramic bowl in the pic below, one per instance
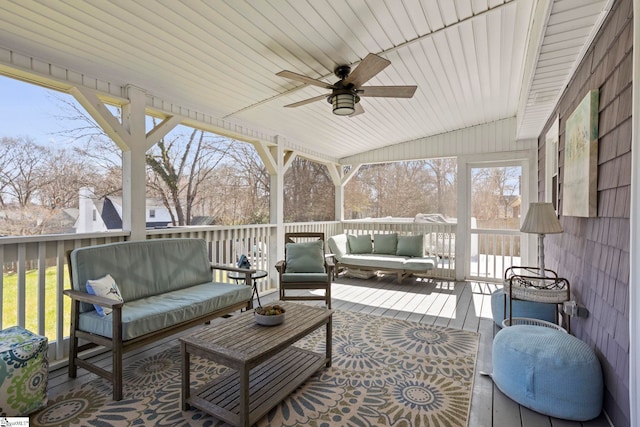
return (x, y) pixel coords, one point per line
(272, 320)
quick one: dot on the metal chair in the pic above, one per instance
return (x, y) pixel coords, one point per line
(535, 284)
(305, 267)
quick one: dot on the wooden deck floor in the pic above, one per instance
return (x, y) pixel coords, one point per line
(461, 305)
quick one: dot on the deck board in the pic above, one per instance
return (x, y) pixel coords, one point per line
(461, 305)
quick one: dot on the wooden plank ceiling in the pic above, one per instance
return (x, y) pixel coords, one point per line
(221, 58)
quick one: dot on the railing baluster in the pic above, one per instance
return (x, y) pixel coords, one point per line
(41, 295)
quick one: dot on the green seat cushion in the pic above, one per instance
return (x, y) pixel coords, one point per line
(385, 243)
(305, 277)
(412, 246)
(305, 257)
(375, 261)
(157, 312)
(419, 264)
(360, 244)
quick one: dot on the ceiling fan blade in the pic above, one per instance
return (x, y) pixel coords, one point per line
(388, 91)
(359, 110)
(370, 66)
(304, 79)
(307, 101)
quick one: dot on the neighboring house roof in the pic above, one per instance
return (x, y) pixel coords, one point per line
(109, 213)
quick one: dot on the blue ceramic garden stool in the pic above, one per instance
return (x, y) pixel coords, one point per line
(528, 309)
(24, 371)
(548, 371)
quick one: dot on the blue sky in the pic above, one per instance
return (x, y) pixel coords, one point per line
(28, 110)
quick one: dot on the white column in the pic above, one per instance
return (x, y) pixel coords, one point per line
(134, 166)
(463, 209)
(276, 208)
(634, 256)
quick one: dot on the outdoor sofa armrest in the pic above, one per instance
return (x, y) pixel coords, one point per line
(247, 271)
(280, 266)
(228, 268)
(92, 299)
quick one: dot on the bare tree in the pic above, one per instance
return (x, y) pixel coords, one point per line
(402, 189)
(178, 165)
(64, 174)
(22, 170)
(308, 192)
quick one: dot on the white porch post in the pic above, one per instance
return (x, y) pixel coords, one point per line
(336, 173)
(130, 136)
(276, 207)
(134, 178)
(463, 226)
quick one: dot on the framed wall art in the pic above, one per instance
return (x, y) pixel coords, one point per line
(580, 195)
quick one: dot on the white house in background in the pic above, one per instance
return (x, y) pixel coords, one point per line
(102, 214)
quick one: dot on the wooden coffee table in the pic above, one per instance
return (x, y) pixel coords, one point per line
(258, 381)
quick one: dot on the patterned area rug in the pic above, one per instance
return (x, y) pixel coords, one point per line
(385, 372)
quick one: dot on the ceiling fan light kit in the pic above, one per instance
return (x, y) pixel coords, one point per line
(344, 104)
(346, 92)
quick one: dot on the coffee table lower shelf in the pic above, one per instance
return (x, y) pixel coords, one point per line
(269, 384)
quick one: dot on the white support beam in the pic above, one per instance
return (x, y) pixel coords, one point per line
(161, 130)
(266, 156)
(352, 172)
(335, 172)
(134, 210)
(537, 28)
(276, 210)
(463, 226)
(289, 157)
(101, 114)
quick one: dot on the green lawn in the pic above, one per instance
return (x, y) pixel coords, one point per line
(10, 301)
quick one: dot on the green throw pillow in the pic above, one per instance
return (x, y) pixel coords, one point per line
(360, 244)
(305, 257)
(410, 246)
(385, 243)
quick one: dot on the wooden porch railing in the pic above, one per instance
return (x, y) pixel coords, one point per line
(34, 267)
(492, 252)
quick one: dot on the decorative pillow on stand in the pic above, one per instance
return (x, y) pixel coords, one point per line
(104, 287)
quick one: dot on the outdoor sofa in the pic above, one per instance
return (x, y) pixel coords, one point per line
(143, 292)
(403, 255)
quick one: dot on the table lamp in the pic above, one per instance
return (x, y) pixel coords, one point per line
(541, 219)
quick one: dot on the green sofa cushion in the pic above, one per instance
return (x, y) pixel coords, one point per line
(386, 244)
(145, 268)
(412, 246)
(157, 312)
(305, 257)
(360, 244)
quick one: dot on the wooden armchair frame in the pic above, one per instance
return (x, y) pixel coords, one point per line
(281, 267)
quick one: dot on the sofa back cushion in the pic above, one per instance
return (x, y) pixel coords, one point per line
(143, 268)
(412, 246)
(385, 243)
(360, 244)
(338, 245)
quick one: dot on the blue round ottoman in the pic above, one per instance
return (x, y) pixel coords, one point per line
(528, 309)
(548, 371)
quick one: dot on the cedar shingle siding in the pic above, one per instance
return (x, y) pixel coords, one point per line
(593, 253)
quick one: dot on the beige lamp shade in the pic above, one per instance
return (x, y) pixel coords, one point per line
(541, 219)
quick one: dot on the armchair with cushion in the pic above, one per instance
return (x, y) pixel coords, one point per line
(305, 267)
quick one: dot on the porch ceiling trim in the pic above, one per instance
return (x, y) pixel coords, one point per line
(51, 76)
(486, 138)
